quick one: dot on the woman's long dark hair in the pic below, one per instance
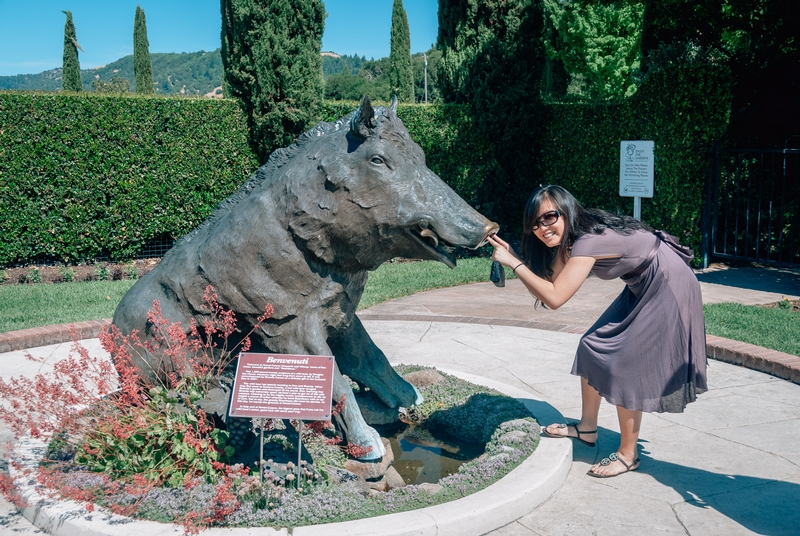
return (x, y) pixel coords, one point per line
(577, 221)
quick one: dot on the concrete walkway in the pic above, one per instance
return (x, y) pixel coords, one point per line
(730, 464)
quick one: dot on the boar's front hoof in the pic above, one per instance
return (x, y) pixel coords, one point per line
(368, 438)
(420, 399)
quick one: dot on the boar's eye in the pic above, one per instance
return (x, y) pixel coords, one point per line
(377, 160)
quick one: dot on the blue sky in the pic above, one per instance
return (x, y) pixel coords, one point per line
(32, 31)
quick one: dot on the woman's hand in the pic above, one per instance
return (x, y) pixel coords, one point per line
(552, 293)
(503, 252)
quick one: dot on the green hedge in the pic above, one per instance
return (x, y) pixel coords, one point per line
(683, 110)
(83, 176)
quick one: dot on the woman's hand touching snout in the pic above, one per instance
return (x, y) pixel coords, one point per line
(503, 253)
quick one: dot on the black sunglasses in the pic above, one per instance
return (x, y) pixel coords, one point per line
(547, 219)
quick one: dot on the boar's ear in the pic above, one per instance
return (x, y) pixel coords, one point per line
(363, 121)
(393, 107)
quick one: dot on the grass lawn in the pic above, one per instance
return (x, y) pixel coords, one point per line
(771, 327)
(26, 306)
(29, 306)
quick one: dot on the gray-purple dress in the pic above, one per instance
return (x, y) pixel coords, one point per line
(648, 350)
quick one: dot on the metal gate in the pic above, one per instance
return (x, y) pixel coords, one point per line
(755, 206)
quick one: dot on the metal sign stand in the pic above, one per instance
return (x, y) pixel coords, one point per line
(636, 172)
(261, 449)
(299, 448)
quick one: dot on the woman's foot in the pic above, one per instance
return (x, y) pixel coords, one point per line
(614, 465)
(573, 430)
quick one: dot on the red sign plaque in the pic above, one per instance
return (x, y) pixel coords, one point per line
(281, 386)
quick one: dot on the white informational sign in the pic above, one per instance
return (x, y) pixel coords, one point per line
(636, 168)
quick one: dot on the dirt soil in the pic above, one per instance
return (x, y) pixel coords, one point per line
(82, 272)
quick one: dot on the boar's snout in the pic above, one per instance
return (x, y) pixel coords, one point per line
(471, 234)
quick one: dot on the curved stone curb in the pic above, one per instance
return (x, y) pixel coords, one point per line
(505, 501)
(23, 339)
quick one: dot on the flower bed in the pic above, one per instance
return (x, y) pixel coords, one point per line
(156, 455)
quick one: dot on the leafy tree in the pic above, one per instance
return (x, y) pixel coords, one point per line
(401, 73)
(71, 69)
(142, 66)
(757, 39)
(337, 65)
(598, 43)
(346, 86)
(372, 79)
(271, 62)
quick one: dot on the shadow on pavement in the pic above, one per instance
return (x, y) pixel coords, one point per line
(777, 280)
(761, 505)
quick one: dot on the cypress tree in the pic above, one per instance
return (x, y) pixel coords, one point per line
(401, 73)
(71, 68)
(142, 66)
(271, 62)
(493, 59)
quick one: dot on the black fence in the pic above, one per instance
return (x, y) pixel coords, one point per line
(754, 206)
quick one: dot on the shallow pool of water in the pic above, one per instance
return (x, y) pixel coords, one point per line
(419, 456)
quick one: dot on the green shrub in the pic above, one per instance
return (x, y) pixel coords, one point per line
(131, 272)
(83, 176)
(102, 272)
(68, 274)
(33, 276)
(94, 176)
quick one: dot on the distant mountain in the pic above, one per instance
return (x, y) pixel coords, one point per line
(188, 73)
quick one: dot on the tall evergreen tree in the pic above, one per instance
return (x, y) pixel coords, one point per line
(142, 66)
(271, 61)
(494, 60)
(401, 72)
(71, 68)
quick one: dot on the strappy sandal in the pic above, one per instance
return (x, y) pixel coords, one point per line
(578, 432)
(614, 457)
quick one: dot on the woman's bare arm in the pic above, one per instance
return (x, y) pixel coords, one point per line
(567, 277)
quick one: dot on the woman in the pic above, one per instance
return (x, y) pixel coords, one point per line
(647, 351)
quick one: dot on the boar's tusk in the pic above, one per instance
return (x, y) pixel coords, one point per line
(427, 233)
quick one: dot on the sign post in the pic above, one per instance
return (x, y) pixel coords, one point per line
(636, 172)
(280, 386)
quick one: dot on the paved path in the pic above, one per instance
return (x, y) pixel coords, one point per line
(730, 464)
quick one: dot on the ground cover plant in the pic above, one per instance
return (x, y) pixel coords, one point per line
(153, 452)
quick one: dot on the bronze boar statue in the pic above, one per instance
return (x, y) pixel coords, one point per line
(302, 234)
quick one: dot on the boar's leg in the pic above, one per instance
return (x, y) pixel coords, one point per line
(359, 358)
(352, 423)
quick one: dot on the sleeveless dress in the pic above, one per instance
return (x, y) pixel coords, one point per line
(647, 351)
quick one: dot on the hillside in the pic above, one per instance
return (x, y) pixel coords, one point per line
(200, 73)
(189, 73)
(192, 73)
